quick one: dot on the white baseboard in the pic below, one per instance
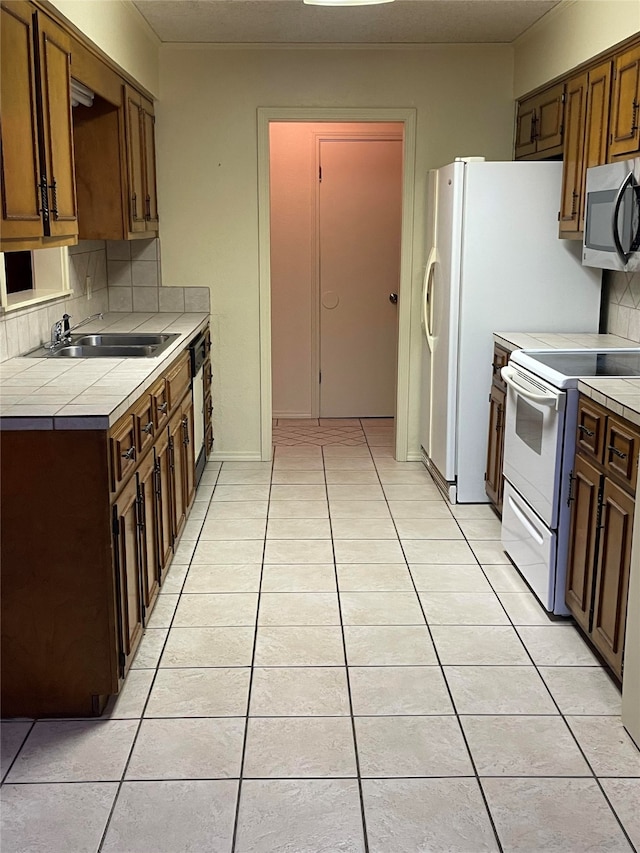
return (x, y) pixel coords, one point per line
(235, 456)
(286, 415)
(415, 457)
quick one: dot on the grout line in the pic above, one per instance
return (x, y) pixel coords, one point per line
(348, 679)
(251, 673)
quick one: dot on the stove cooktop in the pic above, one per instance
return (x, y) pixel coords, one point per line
(623, 363)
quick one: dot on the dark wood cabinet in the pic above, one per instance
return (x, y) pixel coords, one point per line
(127, 551)
(38, 180)
(603, 500)
(586, 120)
(539, 125)
(141, 163)
(71, 626)
(624, 139)
(494, 483)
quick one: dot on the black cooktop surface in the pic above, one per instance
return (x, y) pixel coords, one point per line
(589, 363)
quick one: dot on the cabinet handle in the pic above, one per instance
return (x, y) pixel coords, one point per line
(185, 431)
(499, 419)
(134, 201)
(43, 201)
(616, 452)
(163, 408)
(129, 454)
(634, 120)
(148, 207)
(586, 431)
(571, 482)
(54, 198)
(534, 128)
(148, 428)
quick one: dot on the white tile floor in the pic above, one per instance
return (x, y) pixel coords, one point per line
(337, 663)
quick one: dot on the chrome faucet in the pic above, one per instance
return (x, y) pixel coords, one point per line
(61, 331)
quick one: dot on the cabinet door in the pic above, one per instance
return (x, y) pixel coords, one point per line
(625, 118)
(612, 575)
(163, 502)
(596, 135)
(622, 445)
(135, 160)
(526, 128)
(549, 124)
(591, 428)
(21, 199)
(127, 557)
(151, 194)
(188, 450)
(572, 171)
(149, 556)
(582, 540)
(176, 466)
(493, 476)
(57, 136)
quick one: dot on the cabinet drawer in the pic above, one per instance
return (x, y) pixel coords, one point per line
(591, 428)
(622, 444)
(159, 404)
(177, 379)
(143, 423)
(122, 445)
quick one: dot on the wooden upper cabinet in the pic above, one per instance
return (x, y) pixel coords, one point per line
(57, 137)
(597, 123)
(149, 136)
(38, 182)
(21, 201)
(572, 170)
(539, 125)
(624, 140)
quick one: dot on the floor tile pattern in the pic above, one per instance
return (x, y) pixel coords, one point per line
(339, 661)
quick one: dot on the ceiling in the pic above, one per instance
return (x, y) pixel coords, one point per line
(292, 22)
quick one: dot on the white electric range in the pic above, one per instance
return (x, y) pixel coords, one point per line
(539, 448)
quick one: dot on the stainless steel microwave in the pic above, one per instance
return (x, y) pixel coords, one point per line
(612, 216)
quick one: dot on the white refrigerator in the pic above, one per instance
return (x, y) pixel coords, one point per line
(495, 263)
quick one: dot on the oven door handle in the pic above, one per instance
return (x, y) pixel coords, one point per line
(550, 400)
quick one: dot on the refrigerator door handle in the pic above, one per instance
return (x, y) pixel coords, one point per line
(427, 299)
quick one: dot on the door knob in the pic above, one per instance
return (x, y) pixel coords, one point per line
(393, 298)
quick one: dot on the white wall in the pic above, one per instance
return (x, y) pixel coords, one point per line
(121, 32)
(570, 34)
(293, 185)
(207, 170)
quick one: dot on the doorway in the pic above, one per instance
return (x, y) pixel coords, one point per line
(270, 267)
(336, 214)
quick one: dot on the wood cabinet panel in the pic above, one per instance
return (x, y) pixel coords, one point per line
(135, 164)
(127, 558)
(21, 199)
(188, 450)
(57, 136)
(622, 445)
(160, 404)
(176, 467)
(144, 425)
(149, 556)
(149, 140)
(591, 428)
(572, 169)
(624, 140)
(122, 442)
(163, 503)
(526, 117)
(495, 451)
(596, 137)
(612, 575)
(177, 381)
(539, 124)
(586, 479)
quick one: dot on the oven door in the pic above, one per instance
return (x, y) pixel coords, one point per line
(534, 433)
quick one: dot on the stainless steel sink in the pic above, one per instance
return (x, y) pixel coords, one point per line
(110, 345)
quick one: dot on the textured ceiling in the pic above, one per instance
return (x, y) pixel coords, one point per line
(292, 22)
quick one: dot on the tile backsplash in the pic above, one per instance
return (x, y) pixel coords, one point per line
(621, 293)
(124, 275)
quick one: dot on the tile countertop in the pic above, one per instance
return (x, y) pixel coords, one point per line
(88, 393)
(621, 396)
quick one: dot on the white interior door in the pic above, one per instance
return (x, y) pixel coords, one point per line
(360, 213)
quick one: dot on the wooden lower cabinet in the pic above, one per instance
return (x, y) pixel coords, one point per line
(612, 575)
(493, 480)
(81, 568)
(603, 501)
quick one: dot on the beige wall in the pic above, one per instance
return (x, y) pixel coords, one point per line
(120, 31)
(570, 34)
(207, 170)
(293, 186)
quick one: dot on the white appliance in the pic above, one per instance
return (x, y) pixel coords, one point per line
(612, 216)
(495, 262)
(539, 448)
